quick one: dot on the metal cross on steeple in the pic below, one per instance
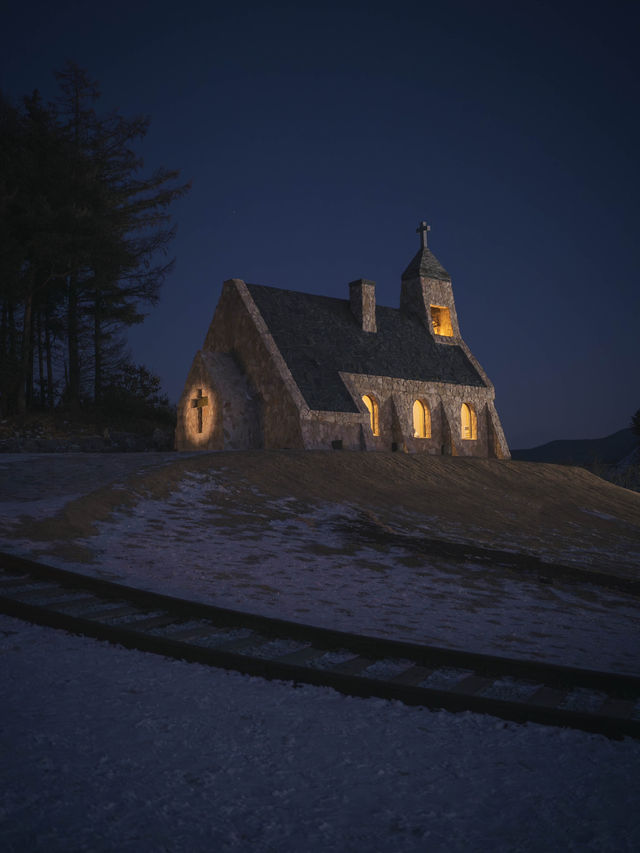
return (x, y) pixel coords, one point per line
(422, 230)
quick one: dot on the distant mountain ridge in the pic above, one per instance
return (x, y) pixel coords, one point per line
(586, 452)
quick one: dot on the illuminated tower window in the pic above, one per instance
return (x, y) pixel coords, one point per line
(372, 405)
(468, 423)
(421, 420)
(441, 319)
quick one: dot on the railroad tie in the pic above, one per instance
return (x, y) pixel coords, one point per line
(547, 697)
(472, 684)
(194, 633)
(155, 622)
(413, 676)
(43, 592)
(10, 583)
(301, 656)
(619, 708)
(78, 603)
(114, 613)
(241, 644)
(353, 666)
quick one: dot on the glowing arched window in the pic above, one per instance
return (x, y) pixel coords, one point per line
(468, 422)
(421, 420)
(372, 405)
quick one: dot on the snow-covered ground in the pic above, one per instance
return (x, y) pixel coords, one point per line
(109, 749)
(302, 562)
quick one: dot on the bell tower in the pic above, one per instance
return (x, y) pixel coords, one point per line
(427, 293)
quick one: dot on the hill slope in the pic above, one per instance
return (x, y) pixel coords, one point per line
(588, 451)
(556, 512)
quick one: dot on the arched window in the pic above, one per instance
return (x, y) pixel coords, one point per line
(372, 405)
(468, 422)
(421, 420)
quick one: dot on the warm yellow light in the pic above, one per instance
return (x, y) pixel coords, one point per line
(421, 420)
(372, 405)
(468, 423)
(199, 420)
(199, 402)
(441, 319)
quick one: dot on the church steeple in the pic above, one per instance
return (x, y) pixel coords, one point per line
(425, 262)
(427, 293)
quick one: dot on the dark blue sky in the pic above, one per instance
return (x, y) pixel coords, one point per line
(317, 136)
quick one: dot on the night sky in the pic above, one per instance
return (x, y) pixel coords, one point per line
(318, 135)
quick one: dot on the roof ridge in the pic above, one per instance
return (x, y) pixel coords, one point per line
(341, 299)
(298, 292)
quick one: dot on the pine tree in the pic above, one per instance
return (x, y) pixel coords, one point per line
(129, 224)
(36, 219)
(85, 239)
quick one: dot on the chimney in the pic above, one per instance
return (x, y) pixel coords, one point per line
(362, 298)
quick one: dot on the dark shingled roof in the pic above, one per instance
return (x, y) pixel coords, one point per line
(319, 336)
(426, 264)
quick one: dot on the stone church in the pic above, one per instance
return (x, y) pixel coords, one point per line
(282, 369)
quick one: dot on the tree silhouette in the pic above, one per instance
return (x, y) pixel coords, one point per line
(85, 236)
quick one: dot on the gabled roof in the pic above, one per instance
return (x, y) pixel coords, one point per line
(318, 336)
(426, 264)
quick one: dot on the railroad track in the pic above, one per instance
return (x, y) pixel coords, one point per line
(520, 691)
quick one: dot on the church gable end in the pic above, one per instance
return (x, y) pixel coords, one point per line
(238, 329)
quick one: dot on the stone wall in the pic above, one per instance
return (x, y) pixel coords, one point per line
(441, 293)
(237, 328)
(334, 430)
(395, 399)
(420, 293)
(188, 436)
(111, 441)
(231, 416)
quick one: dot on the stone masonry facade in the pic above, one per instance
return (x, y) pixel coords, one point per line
(281, 369)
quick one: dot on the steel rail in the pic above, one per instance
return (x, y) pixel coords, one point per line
(49, 596)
